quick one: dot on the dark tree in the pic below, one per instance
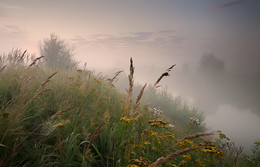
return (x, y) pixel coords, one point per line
(209, 63)
(57, 53)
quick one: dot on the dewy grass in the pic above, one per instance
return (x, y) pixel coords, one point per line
(74, 118)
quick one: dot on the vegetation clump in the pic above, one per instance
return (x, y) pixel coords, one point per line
(75, 118)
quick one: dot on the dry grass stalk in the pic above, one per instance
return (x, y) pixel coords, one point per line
(137, 102)
(195, 136)
(163, 75)
(28, 80)
(131, 78)
(173, 155)
(48, 79)
(23, 55)
(35, 60)
(131, 85)
(43, 91)
(2, 69)
(170, 68)
(115, 77)
(59, 113)
(45, 82)
(94, 136)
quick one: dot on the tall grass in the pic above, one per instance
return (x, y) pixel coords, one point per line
(76, 118)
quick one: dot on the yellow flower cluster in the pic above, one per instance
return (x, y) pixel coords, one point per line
(170, 134)
(188, 157)
(186, 143)
(158, 123)
(201, 163)
(155, 148)
(133, 153)
(62, 123)
(172, 165)
(138, 146)
(248, 159)
(147, 143)
(132, 166)
(141, 162)
(127, 120)
(152, 133)
(214, 150)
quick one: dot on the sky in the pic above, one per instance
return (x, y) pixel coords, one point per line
(215, 45)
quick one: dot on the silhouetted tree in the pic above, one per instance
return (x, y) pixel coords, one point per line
(57, 53)
(209, 63)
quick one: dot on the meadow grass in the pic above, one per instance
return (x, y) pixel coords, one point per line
(50, 117)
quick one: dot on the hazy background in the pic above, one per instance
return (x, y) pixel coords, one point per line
(215, 44)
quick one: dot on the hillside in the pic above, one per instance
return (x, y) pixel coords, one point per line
(52, 117)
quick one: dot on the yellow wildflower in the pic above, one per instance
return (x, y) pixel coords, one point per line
(154, 148)
(147, 143)
(133, 153)
(141, 161)
(134, 146)
(153, 133)
(214, 150)
(132, 165)
(127, 120)
(201, 163)
(62, 123)
(137, 146)
(187, 156)
(250, 160)
(157, 123)
(170, 135)
(185, 143)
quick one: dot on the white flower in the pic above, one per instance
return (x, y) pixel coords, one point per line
(156, 112)
(194, 120)
(171, 126)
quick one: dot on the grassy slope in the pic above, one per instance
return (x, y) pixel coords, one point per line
(78, 119)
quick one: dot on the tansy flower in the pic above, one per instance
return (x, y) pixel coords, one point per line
(187, 156)
(62, 123)
(147, 143)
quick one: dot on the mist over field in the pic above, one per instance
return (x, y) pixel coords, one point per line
(214, 44)
(228, 98)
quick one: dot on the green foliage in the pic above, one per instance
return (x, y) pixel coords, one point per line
(174, 109)
(75, 118)
(255, 160)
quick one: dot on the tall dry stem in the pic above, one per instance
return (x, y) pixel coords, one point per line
(59, 113)
(95, 134)
(137, 102)
(45, 82)
(165, 74)
(115, 77)
(131, 85)
(173, 155)
(195, 136)
(23, 55)
(2, 69)
(35, 60)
